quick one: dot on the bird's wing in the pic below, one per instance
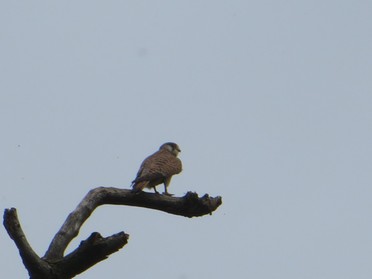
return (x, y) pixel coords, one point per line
(159, 165)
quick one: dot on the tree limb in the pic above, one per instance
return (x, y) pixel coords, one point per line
(30, 259)
(90, 251)
(189, 206)
(54, 265)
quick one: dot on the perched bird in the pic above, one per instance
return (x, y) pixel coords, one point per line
(158, 168)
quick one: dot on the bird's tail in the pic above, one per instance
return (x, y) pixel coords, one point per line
(139, 186)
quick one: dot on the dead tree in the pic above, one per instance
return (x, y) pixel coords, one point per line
(55, 265)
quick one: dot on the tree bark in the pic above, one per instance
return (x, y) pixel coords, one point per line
(54, 265)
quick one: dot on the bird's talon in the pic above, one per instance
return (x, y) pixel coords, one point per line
(168, 194)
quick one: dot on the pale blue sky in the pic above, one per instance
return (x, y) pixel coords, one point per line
(270, 102)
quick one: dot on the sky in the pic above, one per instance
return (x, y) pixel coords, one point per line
(269, 101)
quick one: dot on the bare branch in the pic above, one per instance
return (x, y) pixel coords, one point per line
(189, 206)
(54, 265)
(30, 259)
(90, 251)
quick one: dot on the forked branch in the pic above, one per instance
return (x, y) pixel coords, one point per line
(54, 265)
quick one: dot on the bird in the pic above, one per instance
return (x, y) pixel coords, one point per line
(158, 168)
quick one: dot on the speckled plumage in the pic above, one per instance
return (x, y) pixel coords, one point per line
(158, 168)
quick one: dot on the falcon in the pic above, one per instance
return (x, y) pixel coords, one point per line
(158, 168)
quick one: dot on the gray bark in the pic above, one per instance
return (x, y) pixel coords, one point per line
(54, 265)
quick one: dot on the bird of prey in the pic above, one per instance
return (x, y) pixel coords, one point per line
(158, 168)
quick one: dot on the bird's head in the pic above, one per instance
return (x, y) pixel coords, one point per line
(171, 147)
